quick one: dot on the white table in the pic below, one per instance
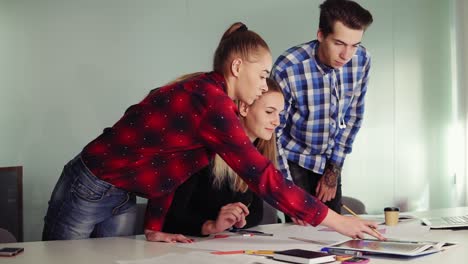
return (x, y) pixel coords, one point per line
(108, 250)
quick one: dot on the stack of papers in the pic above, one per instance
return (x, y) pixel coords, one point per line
(391, 247)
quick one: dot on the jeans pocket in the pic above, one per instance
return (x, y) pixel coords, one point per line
(87, 192)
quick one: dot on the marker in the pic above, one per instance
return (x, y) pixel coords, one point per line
(221, 236)
(343, 252)
(343, 257)
(250, 252)
(259, 252)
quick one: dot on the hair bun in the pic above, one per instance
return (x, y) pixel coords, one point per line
(242, 28)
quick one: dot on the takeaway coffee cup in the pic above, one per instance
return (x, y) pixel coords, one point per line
(391, 215)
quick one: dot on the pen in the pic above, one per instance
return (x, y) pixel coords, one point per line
(228, 252)
(354, 214)
(309, 240)
(250, 252)
(249, 232)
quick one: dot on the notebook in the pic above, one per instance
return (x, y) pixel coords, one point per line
(446, 222)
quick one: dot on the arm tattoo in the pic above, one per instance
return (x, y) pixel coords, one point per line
(331, 175)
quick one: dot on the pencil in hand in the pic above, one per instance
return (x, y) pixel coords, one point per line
(354, 214)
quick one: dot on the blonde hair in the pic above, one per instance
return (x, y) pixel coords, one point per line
(221, 171)
(184, 77)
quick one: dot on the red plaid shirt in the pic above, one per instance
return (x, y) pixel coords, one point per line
(173, 133)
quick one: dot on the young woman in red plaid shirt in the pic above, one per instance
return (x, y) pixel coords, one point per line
(169, 136)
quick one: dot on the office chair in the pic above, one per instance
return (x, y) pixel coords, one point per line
(11, 200)
(140, 219)
(6, 236)
(354, 204)
(270, 215)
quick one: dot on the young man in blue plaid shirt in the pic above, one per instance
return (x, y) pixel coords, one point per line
(324, 83)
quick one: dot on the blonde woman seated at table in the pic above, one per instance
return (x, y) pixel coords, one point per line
(212, 200)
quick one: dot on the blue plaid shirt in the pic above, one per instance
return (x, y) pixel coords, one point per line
(323, 107)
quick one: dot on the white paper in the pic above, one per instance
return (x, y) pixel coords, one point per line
(409, 230)
(303, 237)
(236, 242)
(322, 234)
(380, 218)
(195, 257)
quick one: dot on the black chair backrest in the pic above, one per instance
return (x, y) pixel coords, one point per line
(6, 236)
(354, 204)
(11, 200)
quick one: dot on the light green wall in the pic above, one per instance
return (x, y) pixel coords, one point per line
(422, 103)
(460, 18)
(70, 68)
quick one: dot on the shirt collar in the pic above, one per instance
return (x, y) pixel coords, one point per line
(218, 79)
(324, 69)
(221, 82)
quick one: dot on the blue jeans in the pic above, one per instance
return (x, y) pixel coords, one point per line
(84, 206)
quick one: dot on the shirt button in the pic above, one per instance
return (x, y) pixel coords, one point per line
(332, 123)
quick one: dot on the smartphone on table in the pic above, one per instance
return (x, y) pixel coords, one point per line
(10, 251)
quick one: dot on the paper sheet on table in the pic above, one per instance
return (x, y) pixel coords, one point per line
(408, 229)
(321, 234)
(236, 242)
(200, 258)
(411, 230)
(380, 218)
